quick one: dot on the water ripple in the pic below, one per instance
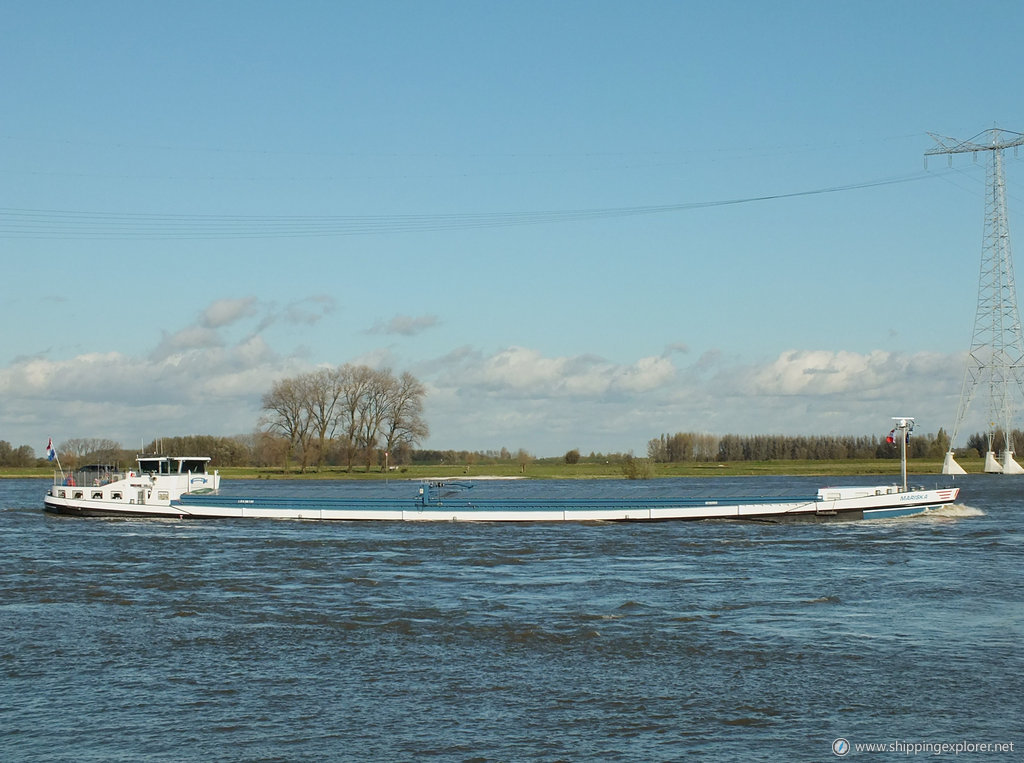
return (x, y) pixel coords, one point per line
(179, 640)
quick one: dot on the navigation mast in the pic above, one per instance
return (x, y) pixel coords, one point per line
(996, 358)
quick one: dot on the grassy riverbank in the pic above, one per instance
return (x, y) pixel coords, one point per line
(555, 469)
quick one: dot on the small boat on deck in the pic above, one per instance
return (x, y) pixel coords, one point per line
(185, 488)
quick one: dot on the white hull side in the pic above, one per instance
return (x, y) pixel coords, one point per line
(880, 504)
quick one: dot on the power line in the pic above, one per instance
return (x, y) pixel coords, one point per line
(16, 223)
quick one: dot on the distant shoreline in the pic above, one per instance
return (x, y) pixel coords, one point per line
(554, 470)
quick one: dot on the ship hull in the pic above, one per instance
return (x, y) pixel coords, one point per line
(835, 504)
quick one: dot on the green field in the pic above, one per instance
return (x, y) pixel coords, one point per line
(555, 469)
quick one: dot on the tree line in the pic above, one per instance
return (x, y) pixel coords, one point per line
(17, 457)
(694, 446)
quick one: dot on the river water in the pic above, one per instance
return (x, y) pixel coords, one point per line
(275, 640)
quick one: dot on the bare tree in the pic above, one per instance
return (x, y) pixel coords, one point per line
(325, 389)
(81, 449)
(403, 420)
(355, 382)
(354, 406)
(286, 409)
(373, 410)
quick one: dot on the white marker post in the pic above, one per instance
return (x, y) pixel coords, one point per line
(904, 425)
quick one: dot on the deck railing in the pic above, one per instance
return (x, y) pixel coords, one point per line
(88, 478)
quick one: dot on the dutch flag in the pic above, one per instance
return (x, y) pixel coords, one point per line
(50, 452)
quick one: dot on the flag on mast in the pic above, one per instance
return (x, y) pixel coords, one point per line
(50, 452)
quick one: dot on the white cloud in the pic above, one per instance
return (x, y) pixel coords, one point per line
(523, 372)
(187, 339)
(200, 381)
(405, 325)
(644, 375)
(518, 397)
(309, 310)
(224, 312)
(820, 372)
(193, 381)
(823, 373)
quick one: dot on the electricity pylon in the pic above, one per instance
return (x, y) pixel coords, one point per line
(996, 359)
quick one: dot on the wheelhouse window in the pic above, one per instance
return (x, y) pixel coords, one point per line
(154, 465)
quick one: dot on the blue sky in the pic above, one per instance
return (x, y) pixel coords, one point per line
(202, 198)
